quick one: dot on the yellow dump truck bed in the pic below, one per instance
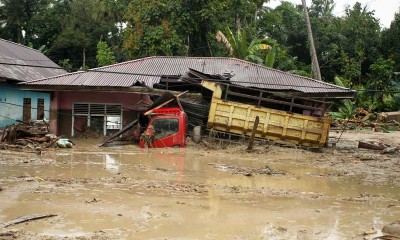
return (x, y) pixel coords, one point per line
(273, 124)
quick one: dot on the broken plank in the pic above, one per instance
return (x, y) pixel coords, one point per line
(165, 103)
(27, 218)
(373, 145)
(7, 234)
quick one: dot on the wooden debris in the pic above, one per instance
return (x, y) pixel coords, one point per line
(207, 144)
(7, 234)
(33, 135)
(26, 219)
(379, 122)
(373, 145)
(94, 200)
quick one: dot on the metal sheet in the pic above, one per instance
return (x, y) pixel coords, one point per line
(149, 70)
(13, 53)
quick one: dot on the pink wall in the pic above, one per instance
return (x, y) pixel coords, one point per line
(128, 100)
(54, 100)
(64, 101)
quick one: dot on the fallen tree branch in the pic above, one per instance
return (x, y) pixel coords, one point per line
(7, 234)
(27, 218)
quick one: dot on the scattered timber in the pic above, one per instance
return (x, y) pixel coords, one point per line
(373, 145)
(363, 119)
(32, 135)
(7, 234)
(27, 218)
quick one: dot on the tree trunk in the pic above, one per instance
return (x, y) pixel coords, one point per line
(314, 60)
(84, 58)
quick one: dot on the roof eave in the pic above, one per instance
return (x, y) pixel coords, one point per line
(105, 89)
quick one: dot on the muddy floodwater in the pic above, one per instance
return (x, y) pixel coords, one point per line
(124, 192)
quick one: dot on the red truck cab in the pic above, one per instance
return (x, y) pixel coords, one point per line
(167, 128)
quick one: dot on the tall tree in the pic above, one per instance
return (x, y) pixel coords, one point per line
(325, 35)
(83, 26)
(104, 54)
(149, 30)
(17, 19)
(314, 59)
(359, 41)
(390, 46)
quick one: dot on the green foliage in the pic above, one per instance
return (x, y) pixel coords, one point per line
(104, 54)
(238, 45)
(286, 25)
(346, 108)
(150, 31)
(351, 46)
(81, 26)
(66, 64)
(390, 42)
(270, 58)
(380, 77)
(342, 82)
(17, 18)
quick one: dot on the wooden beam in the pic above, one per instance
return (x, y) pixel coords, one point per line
(165, 103)
(253, 134)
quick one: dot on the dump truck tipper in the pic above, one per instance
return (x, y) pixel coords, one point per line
(238, 118)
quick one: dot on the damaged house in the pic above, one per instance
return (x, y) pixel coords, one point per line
(18, 64)
(106, 99)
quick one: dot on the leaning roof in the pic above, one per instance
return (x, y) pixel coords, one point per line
(148, 71)
(13, 55)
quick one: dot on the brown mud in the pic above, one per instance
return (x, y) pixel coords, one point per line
(124, 192)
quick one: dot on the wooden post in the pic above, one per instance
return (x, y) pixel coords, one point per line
(259, 99)
(291, 105)
(253, 133)
(226, 92)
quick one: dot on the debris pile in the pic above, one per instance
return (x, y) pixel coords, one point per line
(32, 135)
(247, 171)
(363, 119)
(378, 145)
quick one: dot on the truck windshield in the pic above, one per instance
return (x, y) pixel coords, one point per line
(165, 127)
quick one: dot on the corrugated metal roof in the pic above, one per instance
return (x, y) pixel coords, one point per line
(148, 70)
(13, 53)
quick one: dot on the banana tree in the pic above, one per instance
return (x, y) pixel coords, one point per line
(237, 45)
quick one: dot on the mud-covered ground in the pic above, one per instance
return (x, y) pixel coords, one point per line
(124, 192)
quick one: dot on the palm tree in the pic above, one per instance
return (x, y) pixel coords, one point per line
(238, 47)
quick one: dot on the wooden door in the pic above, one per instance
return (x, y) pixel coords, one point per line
(40, 109)
(26, 114)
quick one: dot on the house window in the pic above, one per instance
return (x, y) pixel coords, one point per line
(104, 119)
(40, 109)
(26, 111)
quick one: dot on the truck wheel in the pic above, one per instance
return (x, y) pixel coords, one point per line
(196, 134)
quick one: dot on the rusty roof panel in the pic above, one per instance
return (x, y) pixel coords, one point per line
(149, 70)
(13, 53)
